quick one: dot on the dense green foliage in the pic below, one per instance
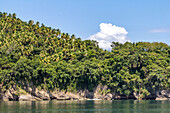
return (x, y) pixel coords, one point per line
(47, 58)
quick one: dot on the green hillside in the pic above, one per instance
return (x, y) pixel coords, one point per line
(47, 58)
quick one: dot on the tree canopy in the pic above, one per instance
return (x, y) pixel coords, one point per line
(48, 58)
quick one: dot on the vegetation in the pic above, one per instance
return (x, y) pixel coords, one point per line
(47, 58)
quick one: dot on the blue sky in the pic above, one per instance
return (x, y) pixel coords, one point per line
(143, 20)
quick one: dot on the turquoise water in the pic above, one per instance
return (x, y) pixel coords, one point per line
(88, 106)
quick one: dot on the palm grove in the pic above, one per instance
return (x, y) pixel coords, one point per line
(49, 59)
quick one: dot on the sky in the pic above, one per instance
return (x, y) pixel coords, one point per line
(102, 20)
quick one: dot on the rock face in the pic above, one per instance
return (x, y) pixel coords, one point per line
(163, 95)
(42, 94)
(99, 93)
(28, 97)
(109, 96)
(85, 94)
(60, 95)
(10, 95)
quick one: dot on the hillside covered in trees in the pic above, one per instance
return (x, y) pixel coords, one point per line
(47, 58)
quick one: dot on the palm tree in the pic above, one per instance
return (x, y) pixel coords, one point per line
(53, 31)
(37, 23)
(58, 32)
(62, 35)
(14, 15)
(67, 36)
(9, 15)
(73, 37)
(31, 22)
(4, 14)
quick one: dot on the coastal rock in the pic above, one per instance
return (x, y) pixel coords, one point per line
(62, 96)
(42, 94)
(89, 94)
(160, 98)
(100, 92)
(109, 96)
(59, 95)
(28, 97)
(10, 95)
(163, 95)
(52, 95)
(74, 96)
(85, 94)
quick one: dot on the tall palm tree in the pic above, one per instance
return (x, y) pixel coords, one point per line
(37, 23)
(14, 15)
(62, 35)
(73, 37)
(67, 36)
(31, 22)
(4, 14)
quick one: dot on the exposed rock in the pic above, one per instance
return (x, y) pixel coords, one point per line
(89, 94)
(42, 94)
(100, 92)
(74, 96)
(109, 96)
(163, 95)
(28, 97)
(85, 94)
(52, 95)
(159, 98)
(10, 95)
(59, 95)
(62, 96)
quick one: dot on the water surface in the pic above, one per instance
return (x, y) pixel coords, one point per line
(96, 106)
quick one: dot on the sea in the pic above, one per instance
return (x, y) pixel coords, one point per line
(86, 106)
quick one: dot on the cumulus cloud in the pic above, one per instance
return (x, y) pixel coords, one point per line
(109, 33)
(160, 30)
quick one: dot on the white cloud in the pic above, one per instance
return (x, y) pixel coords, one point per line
(160, 30)
(109, 33)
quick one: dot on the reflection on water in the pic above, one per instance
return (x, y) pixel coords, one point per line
(97, 106)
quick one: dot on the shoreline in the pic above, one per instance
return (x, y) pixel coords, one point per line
(13, 94)
(158, 99)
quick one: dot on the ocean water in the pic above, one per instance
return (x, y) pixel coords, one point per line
(86, 106)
